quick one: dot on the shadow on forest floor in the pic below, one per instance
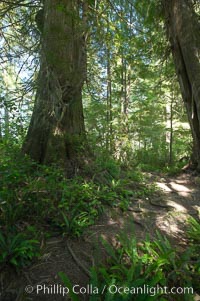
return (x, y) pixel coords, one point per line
(166, 211)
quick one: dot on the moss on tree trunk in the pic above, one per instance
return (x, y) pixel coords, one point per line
(184, 32)
(56, 133)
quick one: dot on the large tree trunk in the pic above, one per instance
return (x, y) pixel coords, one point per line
(184, 35)
(56, 133)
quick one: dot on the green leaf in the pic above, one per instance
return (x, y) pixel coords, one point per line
(68, 284)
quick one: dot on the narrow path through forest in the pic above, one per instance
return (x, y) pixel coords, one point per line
(166, 211)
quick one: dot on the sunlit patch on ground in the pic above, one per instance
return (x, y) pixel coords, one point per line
(180, 189)
(163, 186)
(170, 224)
(180, 197)
(177, 206)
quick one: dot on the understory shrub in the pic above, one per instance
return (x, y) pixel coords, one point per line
(42, 195)
(18, 248)
(143, 271)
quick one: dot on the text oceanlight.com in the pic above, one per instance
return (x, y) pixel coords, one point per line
(58, 289)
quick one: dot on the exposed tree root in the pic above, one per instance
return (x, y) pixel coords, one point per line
(84, 269)
(161, 205)
(140, 224)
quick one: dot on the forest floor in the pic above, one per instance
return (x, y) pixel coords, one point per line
(166, 211)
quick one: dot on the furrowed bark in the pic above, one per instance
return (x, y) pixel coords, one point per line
(184, 32)
(56, 133)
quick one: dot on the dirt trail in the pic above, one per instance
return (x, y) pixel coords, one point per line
(166, 211)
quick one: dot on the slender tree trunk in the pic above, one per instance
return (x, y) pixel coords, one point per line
(110, 104)
(184, 32)
(6, 124)
(171, 132)
(56, 133)
(109, 98)
(169, 125)
(0, 128)
(122, 85)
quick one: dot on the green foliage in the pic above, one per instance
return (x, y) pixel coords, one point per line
(68, 284)
(131, 121)
(121, 194)
(41, 196)
(17, 249)
(154, 263)
(106, 165)
(71, 205)
(15, 170)
(109, 165)
(175, 169)
(171, 170)
(135, 175)
(79, 206)
(193, 230)
(127, 110)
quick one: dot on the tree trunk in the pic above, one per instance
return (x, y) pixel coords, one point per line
(6, 124)
(171, 133)
(109, 105)
(56, 133)
(1, 137)
(184, 32)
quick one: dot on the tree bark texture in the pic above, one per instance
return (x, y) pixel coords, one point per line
(56, 133)
(184, 35)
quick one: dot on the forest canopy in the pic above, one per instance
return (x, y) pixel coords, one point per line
(131, 97)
